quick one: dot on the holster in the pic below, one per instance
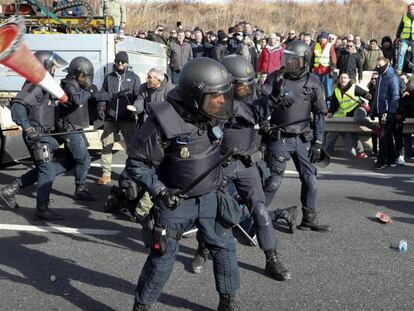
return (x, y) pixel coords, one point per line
(155, 235)
(252, 159)
(307, 136)
(42, 153)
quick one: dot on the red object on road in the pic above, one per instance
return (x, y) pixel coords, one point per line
(384, 218)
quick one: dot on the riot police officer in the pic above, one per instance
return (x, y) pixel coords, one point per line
(177, 143)
(74, 116)
(296, 95)
(33, 110)
(240, 135)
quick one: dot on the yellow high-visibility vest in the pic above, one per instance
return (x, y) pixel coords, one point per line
(346, 103)
(408, 29)
(322, 57)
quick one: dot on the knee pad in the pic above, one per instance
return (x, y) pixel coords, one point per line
(273, 183)
(261, 215)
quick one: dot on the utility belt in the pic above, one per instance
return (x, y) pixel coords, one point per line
(155, 235)
(278, 134)
(43, 130)
(247, 160)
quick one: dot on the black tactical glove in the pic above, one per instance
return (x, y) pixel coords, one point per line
(278, 84)
(121, 93)
(167, 198)
(315, 152)
(280, 98)
(264, 127)
(32, 135)
(93, 89)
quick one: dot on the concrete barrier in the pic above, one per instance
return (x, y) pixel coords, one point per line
(348, 124)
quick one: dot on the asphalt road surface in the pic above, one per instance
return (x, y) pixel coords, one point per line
(93, 262)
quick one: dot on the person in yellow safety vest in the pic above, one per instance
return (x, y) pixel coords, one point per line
(405, 35)
(323, 62)
(345, 101)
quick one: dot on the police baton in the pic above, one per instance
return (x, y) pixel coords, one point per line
(66, 133)
(207, 172)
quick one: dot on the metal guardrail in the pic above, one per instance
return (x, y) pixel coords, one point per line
(348, 124)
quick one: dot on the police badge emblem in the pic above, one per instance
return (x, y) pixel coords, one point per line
(184, 152)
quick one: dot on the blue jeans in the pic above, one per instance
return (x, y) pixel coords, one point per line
(404, 44)
(327, 85)
(175, 76)
(200, 211)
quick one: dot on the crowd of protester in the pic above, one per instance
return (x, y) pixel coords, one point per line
(332, 56)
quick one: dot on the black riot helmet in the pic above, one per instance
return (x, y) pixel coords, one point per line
(206, 89)
(82, 70)
(50, 58)
(296, 57)
(243, 75)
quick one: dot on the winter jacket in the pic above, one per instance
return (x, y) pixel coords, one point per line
(270, 59)
(370, 58)
(219, 51)
(199, 50)
(116, 9)
(148, 95)
(129, 83)
(387, 93)
(180, 54)
(350, 64)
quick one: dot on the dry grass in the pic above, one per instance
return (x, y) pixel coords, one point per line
(368, 18)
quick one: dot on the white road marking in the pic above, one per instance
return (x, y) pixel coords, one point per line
(56, 229)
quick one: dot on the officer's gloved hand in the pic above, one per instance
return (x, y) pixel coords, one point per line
(32, 134)
(315, 152)
(264, 127)
(166, 197)
(93, 89)
(278, 84)
(121, 93)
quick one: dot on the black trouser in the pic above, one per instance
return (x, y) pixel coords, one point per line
(387, 153)
(278, 152)
(248, 184)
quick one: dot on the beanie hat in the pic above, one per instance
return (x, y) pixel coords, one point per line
(122, 56)
(324, 35)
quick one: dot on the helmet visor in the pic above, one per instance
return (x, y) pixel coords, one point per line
(57, 60)
(219, 105)
(292, 62)
(85, 80)
(243, 91)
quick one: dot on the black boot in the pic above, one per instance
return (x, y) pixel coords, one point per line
(43, 212)
(274, 267)
(288, 214)
(8, 195)
(140, 307)
(83, 194)
(309, 221)
(228, 303)
(200, 259)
